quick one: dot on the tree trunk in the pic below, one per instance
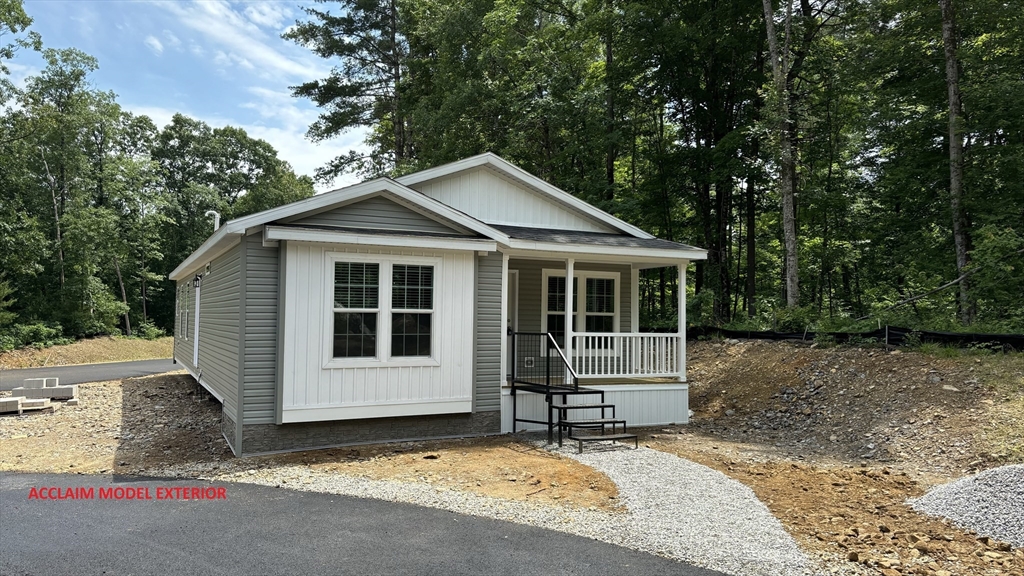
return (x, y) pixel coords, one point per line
(787, 156)
(956, 154)
(124, 298)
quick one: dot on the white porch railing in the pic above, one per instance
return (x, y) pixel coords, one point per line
(626, 354)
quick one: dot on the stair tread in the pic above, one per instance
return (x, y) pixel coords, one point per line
(592, 437)
(583, 406)
(593, 421)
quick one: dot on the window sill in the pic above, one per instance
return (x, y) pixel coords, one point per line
(413, 361)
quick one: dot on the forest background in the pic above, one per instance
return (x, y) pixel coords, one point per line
(837, 158)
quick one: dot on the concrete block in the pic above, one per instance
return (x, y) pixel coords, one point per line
(35, 383)
(35, 402)
(51, 382)
(11, 404)
(72, 402)
(55, 392)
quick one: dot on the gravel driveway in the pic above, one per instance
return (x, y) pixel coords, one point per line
(674, 508)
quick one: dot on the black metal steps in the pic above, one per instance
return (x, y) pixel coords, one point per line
(581, 406)
(592, 422)
(605, 437)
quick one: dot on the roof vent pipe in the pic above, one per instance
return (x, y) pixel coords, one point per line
(216, 219)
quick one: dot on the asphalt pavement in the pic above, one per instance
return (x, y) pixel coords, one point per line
(266, 531)
(83, 373)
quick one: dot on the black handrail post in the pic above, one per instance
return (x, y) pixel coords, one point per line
(551, 420)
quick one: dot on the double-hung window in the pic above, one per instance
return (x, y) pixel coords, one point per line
(382, 310)
(356, 309)
(595, 293)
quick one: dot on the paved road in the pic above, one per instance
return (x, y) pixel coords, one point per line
(88, 372)
(261, 530)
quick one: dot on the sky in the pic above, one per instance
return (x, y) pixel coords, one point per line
(220, 61)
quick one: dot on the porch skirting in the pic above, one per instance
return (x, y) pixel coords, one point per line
(638, 404)
(264, 438)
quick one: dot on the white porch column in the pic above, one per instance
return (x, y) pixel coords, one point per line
(506, 369)
(634, 298)
(681, 345)
(569, 299)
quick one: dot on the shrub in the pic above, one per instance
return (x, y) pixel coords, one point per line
(149, 331)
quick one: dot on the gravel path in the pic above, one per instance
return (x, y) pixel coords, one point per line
(676, 509)
(688, 511)
(991, 503)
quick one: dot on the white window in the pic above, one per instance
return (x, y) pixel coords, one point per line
(382, 309)
(598, 299)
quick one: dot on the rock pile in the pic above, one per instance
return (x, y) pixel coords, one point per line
(990, 503)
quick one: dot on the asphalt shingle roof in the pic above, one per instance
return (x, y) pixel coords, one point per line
(595, 238)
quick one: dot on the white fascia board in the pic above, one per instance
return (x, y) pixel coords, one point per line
(635, 253)
(272, 233)
(517, 173)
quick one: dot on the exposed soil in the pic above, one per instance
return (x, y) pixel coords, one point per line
(147, 426)
(836, 440)
(833, 440)
(103, 349)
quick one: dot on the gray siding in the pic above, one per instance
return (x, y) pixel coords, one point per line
(376, 212)
(183, 341)
(218, 328)
(531, 276)
(487, 352)
(260, 354)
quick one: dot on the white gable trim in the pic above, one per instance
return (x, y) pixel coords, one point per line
(552, 192)
(228, 234)
(351, 237)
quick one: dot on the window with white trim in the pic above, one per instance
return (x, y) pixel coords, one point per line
(382, 309)
(598, 299)
(356, 309)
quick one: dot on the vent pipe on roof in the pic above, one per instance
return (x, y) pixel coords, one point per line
(216, 219)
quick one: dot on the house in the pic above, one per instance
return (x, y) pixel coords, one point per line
(401, 309)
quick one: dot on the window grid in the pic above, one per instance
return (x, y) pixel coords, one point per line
(356, 308)
(412, 302)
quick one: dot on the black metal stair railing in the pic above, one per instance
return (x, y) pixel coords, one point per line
(540, 366)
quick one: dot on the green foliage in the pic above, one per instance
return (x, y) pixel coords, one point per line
(6, 317)
(149, 331)
(38, 334)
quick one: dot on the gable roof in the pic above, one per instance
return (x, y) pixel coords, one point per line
(550, 192)
(231, 232)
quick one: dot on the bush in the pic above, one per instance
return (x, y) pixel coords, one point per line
(38, 334)
(149, 331)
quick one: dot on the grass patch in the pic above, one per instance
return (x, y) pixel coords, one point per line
(103, 349)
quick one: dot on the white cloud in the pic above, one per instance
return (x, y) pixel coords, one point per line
(236, 34)
(154, 45)
(172, 40)
(267, 15)
(196, 49)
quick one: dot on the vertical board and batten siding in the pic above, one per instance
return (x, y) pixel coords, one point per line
(487, 386)
(491, 197)
(218, 328)
(259, 376)
(377, 213)
(377, 390)
(637, 404)
(530, 290)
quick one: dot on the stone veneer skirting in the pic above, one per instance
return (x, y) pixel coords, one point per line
(261, 438)
(227, 427)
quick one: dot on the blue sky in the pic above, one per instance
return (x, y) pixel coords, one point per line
(220, 61)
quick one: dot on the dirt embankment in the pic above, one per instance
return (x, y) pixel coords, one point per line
(92, 350)
(836, 440)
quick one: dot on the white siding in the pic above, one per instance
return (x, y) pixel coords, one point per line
(492, 198)
(637, 404)
(313, 389)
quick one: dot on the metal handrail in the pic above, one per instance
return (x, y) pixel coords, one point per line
(568, 365)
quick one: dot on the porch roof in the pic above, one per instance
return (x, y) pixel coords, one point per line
(597, 243)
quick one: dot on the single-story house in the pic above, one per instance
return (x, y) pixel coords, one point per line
(388, 310)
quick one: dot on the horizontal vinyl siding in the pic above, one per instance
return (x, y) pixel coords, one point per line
(218, 328)
(530, 290)
(376, 212)
(487, 378)
(261, 286)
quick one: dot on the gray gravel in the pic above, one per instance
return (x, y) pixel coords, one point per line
(684, 510)
(990, 503)
(676, 509)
